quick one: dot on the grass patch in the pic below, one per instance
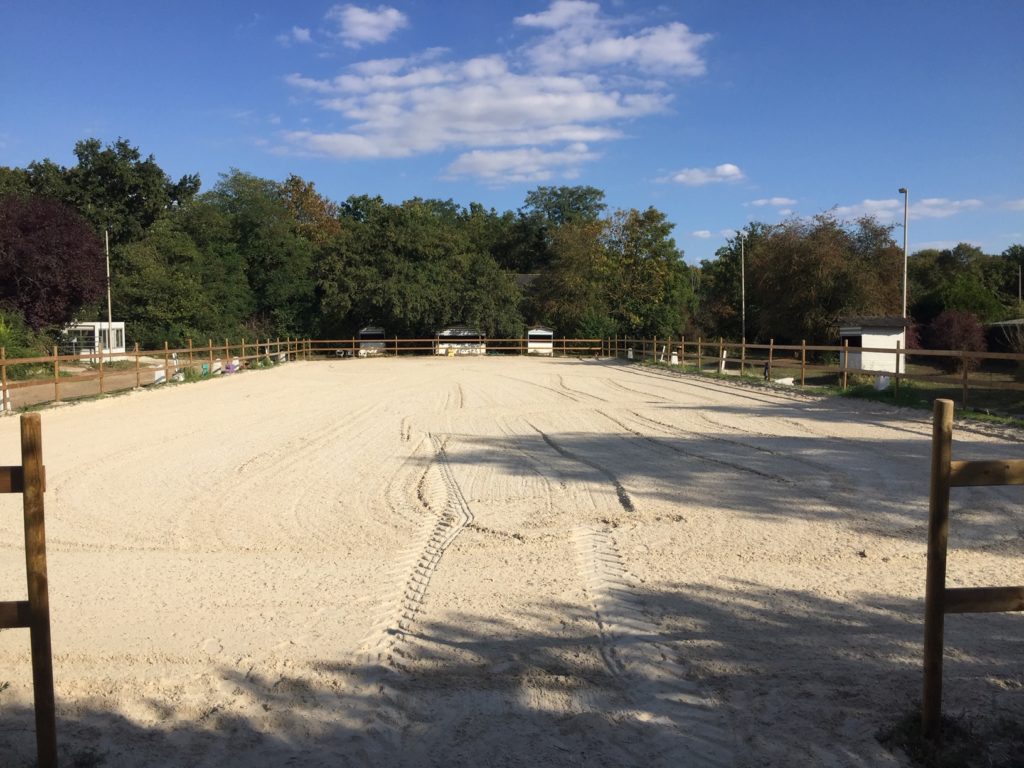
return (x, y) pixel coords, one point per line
(962, 743)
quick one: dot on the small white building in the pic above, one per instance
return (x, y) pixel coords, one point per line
(863, 334)
(540, 340)
(371, 341)
(91, 337)
(460, 340)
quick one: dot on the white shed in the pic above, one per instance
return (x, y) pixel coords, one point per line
(540, 340)
(460, 340)
(867, 333)
(90, 337)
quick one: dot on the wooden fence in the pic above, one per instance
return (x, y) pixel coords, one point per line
(29, 480)
(59, 377)
(975, 375)
(811, 363)
(939, 599)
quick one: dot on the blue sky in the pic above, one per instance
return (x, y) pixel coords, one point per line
(717, 112)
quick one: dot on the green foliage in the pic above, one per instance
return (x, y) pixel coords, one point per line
(802, 277)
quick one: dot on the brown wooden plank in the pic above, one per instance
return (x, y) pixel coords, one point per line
(11, 479)
(38, 591)
(14, 614)
(998, 472)
(984, 599)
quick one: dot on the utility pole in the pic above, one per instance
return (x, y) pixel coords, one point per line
(110, 313)
(743, 287)
(906, 206)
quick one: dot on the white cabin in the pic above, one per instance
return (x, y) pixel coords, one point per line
(863, 334)
(88, 338)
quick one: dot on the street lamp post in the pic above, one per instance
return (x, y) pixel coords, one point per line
(743, 288)
(906, 206)
(110, 314)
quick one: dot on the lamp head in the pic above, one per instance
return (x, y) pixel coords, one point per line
(902, 190)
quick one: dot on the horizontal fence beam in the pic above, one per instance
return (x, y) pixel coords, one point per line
(12, 479)
(970, 473)
(15, 614)
(983, 599)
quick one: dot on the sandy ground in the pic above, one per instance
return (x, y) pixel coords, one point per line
(509, 562)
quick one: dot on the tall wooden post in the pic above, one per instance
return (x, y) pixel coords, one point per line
(190, 353)
(935, 579)
(803, 361)
(682, 351)
(227, 355)
(101, 374)
(4, 402)
(56, 376)
(721, 349)
(38, 591)
(771, 354)
(241, 360)
(138, 371)
(699, 367)
(209, 344)
(743, 355)
(167, 364)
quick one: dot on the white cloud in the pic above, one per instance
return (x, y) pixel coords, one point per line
(786, 211)
(359, 26)
(580, 39)
(511, 116)
(727, 233)
(698, 177)
(892, 209)
(521, 164)
(295, 35)
(1015, 205)
(703, 234)
(773, 201)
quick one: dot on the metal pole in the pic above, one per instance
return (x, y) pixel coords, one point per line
(743, 286)
(906, 206)
(110, 313)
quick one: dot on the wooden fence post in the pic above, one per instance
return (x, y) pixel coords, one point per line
(209, 343)
(138, 372)
(167, 364)
(846, 359)
(4, 403)
(963, 376)
(721, 360)
(682, 352)
(29, 480)
(771, 354)
(190, 353)
(803, 361)
(698, 354)
(896, 378)
(935, 580)
(227, 356)
(101, 374)
(241, 360)
(56, 376)
(743, 355)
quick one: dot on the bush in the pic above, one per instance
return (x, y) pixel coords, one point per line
(958, 331)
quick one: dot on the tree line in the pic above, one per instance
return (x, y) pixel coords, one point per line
(263, 258)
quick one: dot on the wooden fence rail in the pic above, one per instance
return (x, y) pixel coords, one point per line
(940, 599)
(29, 480)
(62, 372)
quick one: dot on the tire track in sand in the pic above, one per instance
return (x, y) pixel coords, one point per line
(390, 649)
(690, 725)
